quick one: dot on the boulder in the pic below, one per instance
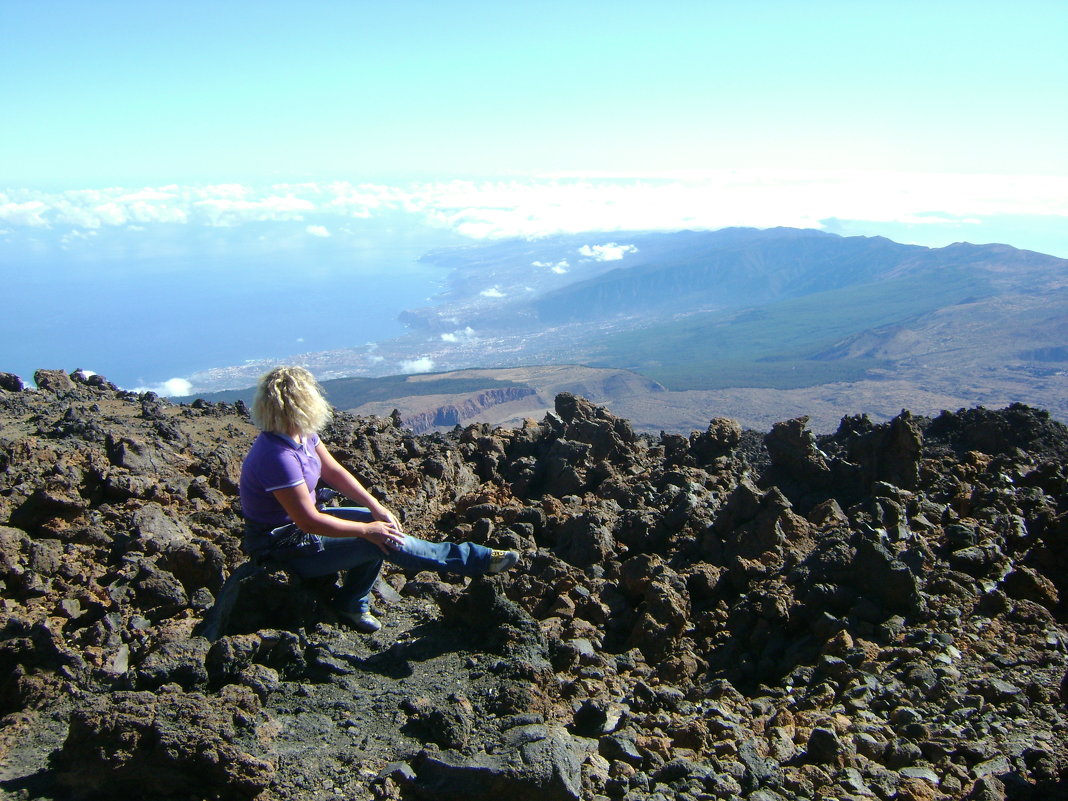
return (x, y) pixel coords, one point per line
(172, 744)
(535, 762)
(159, 529)
(27, 565)
(9, 382)
(180, 662)
(54, 382)
(720, 439)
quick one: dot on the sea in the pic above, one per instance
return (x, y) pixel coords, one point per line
(143, 308)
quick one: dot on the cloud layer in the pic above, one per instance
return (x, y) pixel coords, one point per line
(540, 207)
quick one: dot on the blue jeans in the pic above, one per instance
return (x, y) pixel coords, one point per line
(362, 560)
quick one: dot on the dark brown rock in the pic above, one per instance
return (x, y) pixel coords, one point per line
(170, 745)
(720, 439)
(890, 620)
(9, 382)
(55, 382)
(27, 565)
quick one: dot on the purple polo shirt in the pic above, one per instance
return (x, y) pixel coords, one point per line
(276, 462)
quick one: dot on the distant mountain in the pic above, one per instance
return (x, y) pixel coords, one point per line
(723, 270)
(745, 268)
(507, 286)
(757, 322)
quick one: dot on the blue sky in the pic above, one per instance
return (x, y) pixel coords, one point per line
(136, 93)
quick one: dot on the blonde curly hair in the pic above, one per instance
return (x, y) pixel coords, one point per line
(289, 400)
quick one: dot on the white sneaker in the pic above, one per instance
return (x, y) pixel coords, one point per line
(363, 622)
(502, 560)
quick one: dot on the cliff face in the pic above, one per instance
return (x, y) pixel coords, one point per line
(873, 614)
(453, 414)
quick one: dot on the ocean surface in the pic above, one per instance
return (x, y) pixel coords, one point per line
(141, 316)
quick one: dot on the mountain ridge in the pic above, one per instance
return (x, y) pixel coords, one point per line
(778, 269)
(967, 319)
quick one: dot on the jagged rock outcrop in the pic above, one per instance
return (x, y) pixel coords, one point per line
(873, 614)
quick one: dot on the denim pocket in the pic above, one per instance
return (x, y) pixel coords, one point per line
(288, 541)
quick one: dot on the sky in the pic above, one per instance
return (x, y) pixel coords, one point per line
(959, 105)
(926, 122)
(131, 92)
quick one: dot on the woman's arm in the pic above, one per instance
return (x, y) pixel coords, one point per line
(344, 482)
(297, 502)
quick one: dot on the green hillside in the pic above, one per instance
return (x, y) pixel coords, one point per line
(777, 345)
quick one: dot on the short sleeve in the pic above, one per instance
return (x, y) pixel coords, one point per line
(281, 472)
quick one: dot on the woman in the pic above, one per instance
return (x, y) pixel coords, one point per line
(279, 478)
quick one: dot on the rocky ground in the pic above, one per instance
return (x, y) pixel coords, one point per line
(874, 614)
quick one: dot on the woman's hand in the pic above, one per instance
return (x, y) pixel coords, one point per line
(386, 516)
(384, 531)
(385, 535)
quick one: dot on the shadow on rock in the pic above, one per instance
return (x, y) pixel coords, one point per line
(166, 745)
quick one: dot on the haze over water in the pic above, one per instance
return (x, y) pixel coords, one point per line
(141, 321)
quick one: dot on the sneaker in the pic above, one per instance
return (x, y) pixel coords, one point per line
(363, 622)
(502, 560)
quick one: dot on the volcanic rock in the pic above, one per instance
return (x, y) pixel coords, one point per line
(876, 613)
(173, 743)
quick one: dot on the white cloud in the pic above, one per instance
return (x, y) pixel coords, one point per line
(462, 335)
(560, 267)
(717, 199)
(423, 365)
(170, 388)
(156, 212)
(318, 230)
(148, 194)
(177, 386)
(608, 252)
(74, 237)
(28, 213)
(545, 206)
(222, 211)
(492, 292)
(358, 201)
(111, 214)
